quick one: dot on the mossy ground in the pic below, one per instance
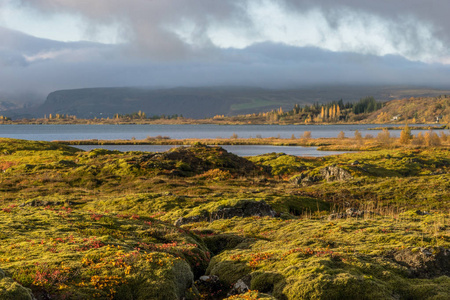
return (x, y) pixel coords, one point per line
(81, 225)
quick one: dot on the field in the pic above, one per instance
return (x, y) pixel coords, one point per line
(194, 222)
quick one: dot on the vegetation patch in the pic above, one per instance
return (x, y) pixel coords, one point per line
(99, 224)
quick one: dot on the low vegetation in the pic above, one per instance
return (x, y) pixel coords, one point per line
(192, 222)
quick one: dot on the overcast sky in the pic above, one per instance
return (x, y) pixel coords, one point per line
(48, 45)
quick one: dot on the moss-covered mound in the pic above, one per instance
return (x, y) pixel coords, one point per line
(198, 159)
(98, 224)
(61, 253)
(8, 146)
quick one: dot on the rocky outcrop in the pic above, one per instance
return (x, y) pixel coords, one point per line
(195, 160)
(46, 203)
(243, 208)
(210, 287)
(304, 180)
(334, 173)
(242, 286)
(424, 262)
(350, 213)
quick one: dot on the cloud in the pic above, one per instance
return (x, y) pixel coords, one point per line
(179, 29)
(55, 65)
(265, 43)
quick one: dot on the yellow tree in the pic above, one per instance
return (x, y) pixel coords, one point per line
(405, 135)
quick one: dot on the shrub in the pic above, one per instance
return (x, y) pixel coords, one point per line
(432, 139)
(384, 137)
(405, 135)
(306, 135)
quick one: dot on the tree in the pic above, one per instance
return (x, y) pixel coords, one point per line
(366, 105)
(432, 139)
(358, 137)
(384, 137)
(418, 140)
(405, 135)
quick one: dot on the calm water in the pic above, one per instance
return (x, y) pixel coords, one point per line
(241, 150)
(110, 132)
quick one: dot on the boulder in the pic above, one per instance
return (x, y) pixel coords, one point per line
(424, 262)
(243, 208)
(210, 287)
(304, 180)
(242, 286)
(350, 213)
(422, 212)
(9, 289)
(334, 173)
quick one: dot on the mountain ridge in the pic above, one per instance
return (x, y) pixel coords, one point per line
(201, 102)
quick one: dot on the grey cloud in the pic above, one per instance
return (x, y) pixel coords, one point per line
(265, 64)
(144, 23)
(155, 56)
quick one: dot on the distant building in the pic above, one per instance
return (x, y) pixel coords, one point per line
(396, 117)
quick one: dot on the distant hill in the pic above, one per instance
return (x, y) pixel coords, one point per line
(7, 105)
(414, 109)
(202, 102)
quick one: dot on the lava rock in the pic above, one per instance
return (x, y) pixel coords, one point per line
(424, 262)
(334, 173)
(243, 208)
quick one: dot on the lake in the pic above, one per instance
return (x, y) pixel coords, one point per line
(111, 132)
(241, 150)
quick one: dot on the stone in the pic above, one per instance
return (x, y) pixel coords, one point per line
(243, 208)
(241, 286)
(424, 262)
(304, 180)
(210, 286)
(334, 173)
(350, 213)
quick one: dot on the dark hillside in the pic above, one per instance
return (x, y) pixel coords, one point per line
(201, 102)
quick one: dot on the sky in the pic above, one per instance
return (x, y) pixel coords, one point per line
(49, 45)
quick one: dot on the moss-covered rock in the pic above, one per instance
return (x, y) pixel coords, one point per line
(9, 290)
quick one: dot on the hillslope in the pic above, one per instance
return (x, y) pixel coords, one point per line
(201, 102)
(414, 109)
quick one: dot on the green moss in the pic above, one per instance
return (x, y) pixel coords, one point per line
(268, 282)
(228, 271)
(9, 289)
(104, 220)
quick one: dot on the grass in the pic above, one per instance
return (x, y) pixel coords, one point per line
(99, 224)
